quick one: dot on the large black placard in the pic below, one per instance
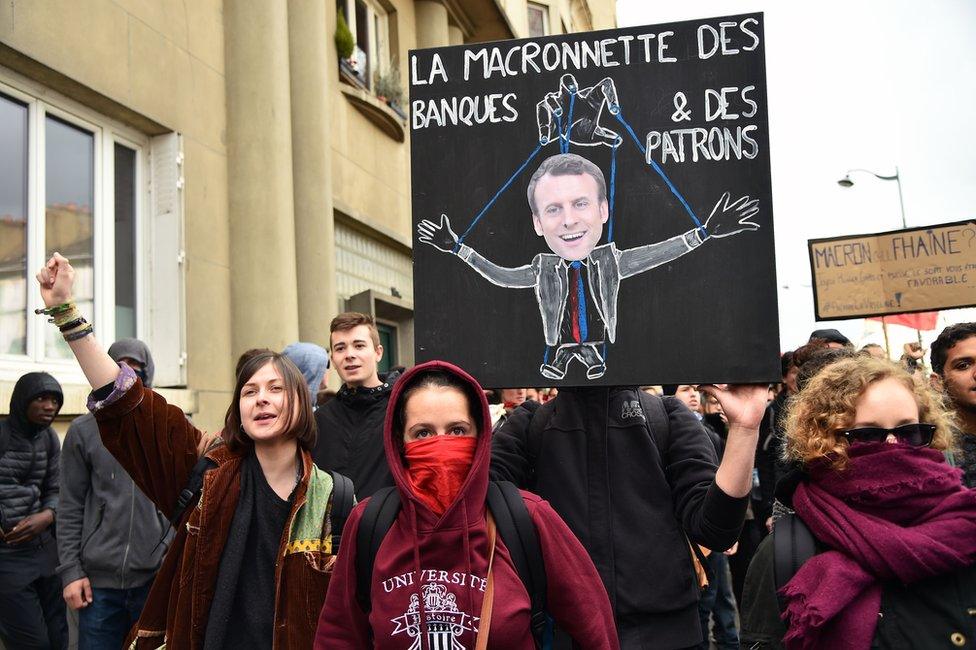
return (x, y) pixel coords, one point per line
(665, 275)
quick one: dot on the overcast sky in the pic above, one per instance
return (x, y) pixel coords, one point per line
(857, 84)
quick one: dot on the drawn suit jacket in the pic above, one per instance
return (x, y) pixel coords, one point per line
(607, 265)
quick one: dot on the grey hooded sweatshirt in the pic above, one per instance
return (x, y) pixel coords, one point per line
(108, 530)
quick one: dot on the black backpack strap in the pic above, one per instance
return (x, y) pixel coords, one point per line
(537, 426)
(189, 494)
(658, 422)
(191, 491)
(793, 544)
(517, 529)
(659, 427)
(343, 500)
(378, 518)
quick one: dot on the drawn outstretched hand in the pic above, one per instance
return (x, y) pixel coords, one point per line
(440, 236)
(553, 113)
(730, 218)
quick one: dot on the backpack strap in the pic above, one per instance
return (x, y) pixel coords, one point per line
(659, 428)
(191, 491)
(378, 518)
(516, 528)
(343, 500)
(537, 426)
(793, 544)
(189, 495)
(657, 421)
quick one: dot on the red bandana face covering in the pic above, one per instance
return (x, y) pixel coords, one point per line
(437, 466)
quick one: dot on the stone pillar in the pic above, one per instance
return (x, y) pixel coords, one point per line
(454, 35)
(313, 62)
(264, 294)
(430, 17)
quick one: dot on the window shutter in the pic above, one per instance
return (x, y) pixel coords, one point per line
(167, 261)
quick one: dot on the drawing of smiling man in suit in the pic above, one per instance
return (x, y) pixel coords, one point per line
(577, 284)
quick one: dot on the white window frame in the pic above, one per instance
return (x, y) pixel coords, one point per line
(546, 28)
(378, 54)
(106, 132)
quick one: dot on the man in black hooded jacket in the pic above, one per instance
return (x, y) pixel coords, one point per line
(31, 610)
(635, 486)
(350, 427)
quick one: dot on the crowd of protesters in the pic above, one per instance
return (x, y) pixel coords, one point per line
(830, 510)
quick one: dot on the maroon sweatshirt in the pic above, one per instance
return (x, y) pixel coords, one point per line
(430, 573)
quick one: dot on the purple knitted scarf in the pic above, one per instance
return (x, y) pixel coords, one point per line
(895, 513)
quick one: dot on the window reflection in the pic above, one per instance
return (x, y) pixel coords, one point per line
(125, 242)
(70, 197)
(13, 226)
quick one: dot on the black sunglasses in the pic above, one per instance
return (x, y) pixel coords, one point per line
(916, 435)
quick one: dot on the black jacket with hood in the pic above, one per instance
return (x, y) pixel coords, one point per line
(108, 530)
(29, 468)
(350, 436)
(633, 510)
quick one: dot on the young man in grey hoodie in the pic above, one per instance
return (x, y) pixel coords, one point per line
(111, 538)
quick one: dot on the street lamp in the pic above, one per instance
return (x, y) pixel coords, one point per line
(847, 181)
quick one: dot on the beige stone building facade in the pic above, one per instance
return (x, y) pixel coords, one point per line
(220, 176)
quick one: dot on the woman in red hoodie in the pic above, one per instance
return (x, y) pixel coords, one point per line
(436, 564)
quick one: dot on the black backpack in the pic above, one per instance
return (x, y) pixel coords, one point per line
(343, 498)
(514, 525)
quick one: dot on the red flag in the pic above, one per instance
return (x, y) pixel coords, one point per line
(923, 320)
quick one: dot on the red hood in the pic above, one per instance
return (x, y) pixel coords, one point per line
(471, 498)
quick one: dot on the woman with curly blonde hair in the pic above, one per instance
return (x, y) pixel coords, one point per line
(895, 529)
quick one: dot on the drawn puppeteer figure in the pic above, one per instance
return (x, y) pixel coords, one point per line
(577, 284)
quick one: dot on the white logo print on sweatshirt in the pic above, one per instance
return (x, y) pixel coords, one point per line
(443, 622)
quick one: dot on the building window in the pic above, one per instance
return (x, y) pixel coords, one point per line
(388, 339)
(70, 182)
(538, 20)
(369, 23)
(13, 226)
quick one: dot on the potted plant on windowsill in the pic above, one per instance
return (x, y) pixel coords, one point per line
(388, 89)
(345, 42)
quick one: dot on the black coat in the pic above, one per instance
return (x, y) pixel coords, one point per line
(29, 467)
(350, 437)
(631, 509)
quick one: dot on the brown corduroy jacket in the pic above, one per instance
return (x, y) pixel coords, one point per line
(157, 446)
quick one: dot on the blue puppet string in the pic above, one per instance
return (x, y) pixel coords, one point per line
(613, 187)
(664, 177)
(490, 203)
(564, 142)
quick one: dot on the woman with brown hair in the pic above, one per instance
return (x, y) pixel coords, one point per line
(250, 563)
(893, 527)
